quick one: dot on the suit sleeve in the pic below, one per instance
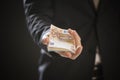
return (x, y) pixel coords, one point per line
(39, 15)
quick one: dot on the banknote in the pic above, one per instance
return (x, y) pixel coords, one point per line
(60, 40)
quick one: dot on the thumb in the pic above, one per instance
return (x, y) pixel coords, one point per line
(45, 41)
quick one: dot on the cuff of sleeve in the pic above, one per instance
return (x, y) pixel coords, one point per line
(45, 34)
(41, 45)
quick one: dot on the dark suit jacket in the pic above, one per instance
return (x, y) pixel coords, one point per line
(95, 28)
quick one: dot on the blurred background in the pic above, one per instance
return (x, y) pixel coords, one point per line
(18, 53)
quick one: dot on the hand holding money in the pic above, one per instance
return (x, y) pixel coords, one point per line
(64, 42)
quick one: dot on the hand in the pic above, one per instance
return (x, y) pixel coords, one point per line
(79, 47)
(45, 41)
(66, 54)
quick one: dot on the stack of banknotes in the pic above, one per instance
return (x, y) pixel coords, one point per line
(60, 40)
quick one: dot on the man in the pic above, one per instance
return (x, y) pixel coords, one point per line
(90, 28)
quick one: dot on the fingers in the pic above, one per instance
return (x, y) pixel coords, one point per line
(77, 43)
(78, 52)
(70, 55)
(65, 54)
(45, 41)
(73, 32)
(76, 37)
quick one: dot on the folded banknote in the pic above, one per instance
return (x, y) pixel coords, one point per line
(60, 40)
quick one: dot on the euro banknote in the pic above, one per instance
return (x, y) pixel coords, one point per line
(60, 40)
